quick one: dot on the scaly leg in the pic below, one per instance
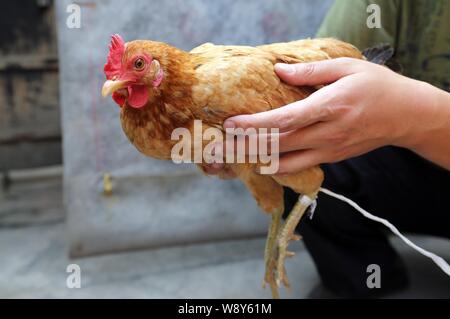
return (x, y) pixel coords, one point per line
(271, 254)
(287, 233)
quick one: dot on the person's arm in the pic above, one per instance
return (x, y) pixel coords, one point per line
(363, 107)
(431, 141)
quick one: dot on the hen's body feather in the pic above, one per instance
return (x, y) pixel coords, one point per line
(214, 82)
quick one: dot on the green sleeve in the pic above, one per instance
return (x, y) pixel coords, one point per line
(347, 20)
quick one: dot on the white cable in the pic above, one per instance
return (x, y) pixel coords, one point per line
(437, 259)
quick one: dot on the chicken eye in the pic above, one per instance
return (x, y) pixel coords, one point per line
(139, 64)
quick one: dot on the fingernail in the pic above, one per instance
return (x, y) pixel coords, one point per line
(285, 68)
(229, 124)
(217, 166)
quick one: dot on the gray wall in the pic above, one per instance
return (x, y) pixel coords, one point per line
(154, 203)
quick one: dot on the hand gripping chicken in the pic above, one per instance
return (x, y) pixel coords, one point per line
(160, 88)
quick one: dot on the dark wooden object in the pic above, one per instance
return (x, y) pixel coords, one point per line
(30, 133)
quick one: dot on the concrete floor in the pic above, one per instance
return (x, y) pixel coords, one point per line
(34, 261)
(34, 258)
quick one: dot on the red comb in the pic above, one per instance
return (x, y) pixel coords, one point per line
(114, 62)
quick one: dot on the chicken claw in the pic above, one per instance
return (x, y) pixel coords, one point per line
(287, 234)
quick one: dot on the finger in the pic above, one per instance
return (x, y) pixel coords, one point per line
(213, 169)
(253, 144)
(297, 161)
(316, 73)
(286, 118)
(267, 144)
(314, 136)
(319, 135)
(227, 173)
(297, 140)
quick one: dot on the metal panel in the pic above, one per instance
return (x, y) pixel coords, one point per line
(154, 203)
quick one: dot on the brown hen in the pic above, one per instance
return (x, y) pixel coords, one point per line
(161, 88)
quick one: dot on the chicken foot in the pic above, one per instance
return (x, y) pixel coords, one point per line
(270, 254)
(268, 192)
(277, 242)
(287, 234)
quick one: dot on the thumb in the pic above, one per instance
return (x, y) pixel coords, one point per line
(316, 73)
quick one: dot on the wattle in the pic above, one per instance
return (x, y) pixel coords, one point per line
(118, 98)
(137, 96)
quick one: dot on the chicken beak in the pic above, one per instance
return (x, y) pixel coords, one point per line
(112, 86)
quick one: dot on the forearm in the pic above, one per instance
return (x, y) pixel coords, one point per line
(430, 135)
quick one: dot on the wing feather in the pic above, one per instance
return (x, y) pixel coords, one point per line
(237, 80)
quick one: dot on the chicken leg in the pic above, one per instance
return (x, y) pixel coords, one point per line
(307, 183)
(271, 253)
(268, 192)
(287, 234)
(277, 242)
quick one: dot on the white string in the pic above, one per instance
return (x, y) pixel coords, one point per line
(437, 259)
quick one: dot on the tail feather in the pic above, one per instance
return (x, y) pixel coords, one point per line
(383, 54)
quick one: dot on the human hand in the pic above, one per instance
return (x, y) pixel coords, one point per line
(362, 107)
(220, 169)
